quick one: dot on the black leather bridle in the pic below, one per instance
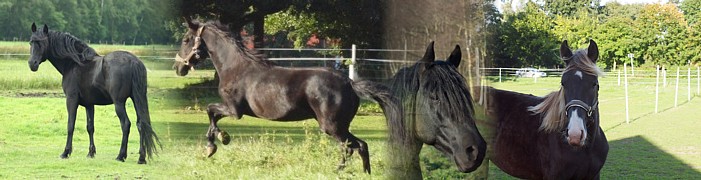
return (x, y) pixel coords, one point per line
(581, 104)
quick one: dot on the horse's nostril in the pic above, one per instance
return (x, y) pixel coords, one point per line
(472, 151)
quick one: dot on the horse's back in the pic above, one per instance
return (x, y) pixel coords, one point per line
(291, 94)
(121, 69)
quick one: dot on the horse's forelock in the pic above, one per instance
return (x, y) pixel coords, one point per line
(580, 61)
(455, 94)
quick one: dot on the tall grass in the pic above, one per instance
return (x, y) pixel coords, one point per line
(19, 47)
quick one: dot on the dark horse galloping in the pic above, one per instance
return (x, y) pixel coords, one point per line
(556, 136)
(437, 110)
(250, 85)
(90, 80)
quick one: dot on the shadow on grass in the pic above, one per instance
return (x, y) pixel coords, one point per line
(637, 158)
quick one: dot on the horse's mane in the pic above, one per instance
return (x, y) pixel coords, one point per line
(441, 78)
(552, 109)
(246, 53)
(64, 45)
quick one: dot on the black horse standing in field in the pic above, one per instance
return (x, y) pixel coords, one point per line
(556, 136)
(251, 85)
(89, 80)
(437, 110)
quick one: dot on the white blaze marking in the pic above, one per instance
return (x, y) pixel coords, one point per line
(578, 74)
(576, 124)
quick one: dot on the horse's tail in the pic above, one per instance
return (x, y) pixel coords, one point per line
(148, 138)
(391, 106)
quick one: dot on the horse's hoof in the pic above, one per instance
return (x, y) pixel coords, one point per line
(65, 155)
(224, 137)
(120, 159)
(211, 149)
(91, 155)
(142, 161)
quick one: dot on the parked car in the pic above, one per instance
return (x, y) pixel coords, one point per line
(530, 72)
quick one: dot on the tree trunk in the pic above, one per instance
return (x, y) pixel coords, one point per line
(258, 31)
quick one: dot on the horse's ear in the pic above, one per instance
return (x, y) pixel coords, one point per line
(593, 51)
(34, 27)
(46, 29)
(455, 57)
(429, 56)
(191, 23)
(565, 51)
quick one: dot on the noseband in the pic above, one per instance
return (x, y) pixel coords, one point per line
(194, 51)
(581, 104)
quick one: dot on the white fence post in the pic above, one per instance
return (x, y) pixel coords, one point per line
(664, 76)
(351, 67)
(688, 86)
(619, 77)
(499, 74)
(625, 77)
(657, 89)
(676, 90)
(698, 81)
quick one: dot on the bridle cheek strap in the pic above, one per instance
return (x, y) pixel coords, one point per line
(581, 104)
(194, 50)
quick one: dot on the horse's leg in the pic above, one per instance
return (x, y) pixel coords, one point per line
(72, 107)
(349, 143)
(90, 112)
(126, 125)
(216, 111)
(362, 148)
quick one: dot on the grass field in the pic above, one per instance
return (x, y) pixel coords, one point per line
(33, 132)
(33, 135)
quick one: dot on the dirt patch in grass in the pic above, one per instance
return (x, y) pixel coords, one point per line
(38, 94)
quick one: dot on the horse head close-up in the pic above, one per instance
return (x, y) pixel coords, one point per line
(557, 136)
(192, 49)
(438, 111)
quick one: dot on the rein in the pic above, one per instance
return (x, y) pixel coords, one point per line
(194, 51)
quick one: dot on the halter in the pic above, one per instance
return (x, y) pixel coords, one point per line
(581, 104)
(194, 51)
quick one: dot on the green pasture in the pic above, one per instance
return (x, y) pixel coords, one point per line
(34, 128)
(33, 132)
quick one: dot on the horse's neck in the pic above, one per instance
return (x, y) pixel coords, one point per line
(229, 59)
(62, 65)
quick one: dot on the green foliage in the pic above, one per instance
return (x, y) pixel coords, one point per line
(298, 26)
(662, 31)
(653, 33)
(528, 39)
(107, 21)
(566, 8)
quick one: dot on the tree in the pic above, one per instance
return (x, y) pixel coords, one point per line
(528, 40)
(346, 20)
(567, 8)
(662, 31)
